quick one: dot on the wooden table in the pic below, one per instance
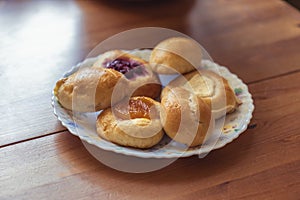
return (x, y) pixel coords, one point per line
(39, 40)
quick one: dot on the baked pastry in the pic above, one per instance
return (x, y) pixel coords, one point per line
(113, 76)
(89, 89)
(135, 123)
(141, 79)
(185, 117)
(210, 87)
(176, 55)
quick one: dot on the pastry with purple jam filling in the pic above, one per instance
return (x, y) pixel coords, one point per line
(130, 68)
(113, 76)
(142, 81)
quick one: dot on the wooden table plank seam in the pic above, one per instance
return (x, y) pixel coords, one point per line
(273, 77)
(33, 138)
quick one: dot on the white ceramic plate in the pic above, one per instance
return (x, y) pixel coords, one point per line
(234, 125)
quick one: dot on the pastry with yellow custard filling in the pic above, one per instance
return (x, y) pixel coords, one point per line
(134, 124)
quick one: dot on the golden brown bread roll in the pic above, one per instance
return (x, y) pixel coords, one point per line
(176, 55)
(89, 89)
(185, 117)
(210, 87)
(135, 123)
(112, 77)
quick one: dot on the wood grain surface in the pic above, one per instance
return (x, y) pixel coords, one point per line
(40, 40)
